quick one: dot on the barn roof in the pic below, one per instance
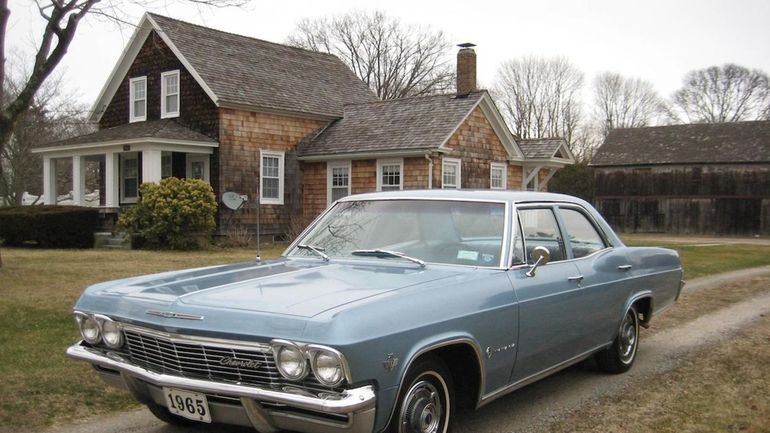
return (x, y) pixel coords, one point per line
(737, 142)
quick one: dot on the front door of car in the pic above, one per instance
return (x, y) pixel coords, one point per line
(549, 301)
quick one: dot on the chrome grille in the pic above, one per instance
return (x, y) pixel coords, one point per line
(200, 360)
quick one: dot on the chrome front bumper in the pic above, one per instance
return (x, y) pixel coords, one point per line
(356, 405)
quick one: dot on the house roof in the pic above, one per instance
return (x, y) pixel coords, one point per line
(737, 142)
(240, 71)
(541, 148)
(167, 130)
(399, 125)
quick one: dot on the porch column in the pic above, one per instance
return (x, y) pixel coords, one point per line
(151, 166)
(49, 180)
(111, 179)
(78, 180)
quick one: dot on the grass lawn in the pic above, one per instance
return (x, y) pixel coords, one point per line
(38, 288)
(699, 261)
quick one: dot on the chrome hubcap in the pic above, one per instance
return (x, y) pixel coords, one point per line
(422, 409)
(628, 331)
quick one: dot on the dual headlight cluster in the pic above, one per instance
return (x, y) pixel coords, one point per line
(292, 359)
(96, 329)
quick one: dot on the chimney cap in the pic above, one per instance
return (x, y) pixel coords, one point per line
(466, 45)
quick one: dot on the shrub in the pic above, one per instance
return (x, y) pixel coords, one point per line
(49, 226)
(176, 213)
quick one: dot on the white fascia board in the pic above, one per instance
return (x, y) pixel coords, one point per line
(501, 128)
(444, 142)
(367, 155)
(184, 61)
(92, 148)
(565, 150)
(121, 68)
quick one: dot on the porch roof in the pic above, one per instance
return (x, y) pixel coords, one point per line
(164, 130)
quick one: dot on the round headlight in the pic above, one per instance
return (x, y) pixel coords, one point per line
(89, 328)
(327, 367)
(111, 333)
(291, 362)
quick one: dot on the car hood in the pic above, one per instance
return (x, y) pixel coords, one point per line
(293, 287)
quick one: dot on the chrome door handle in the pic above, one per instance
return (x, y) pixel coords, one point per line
(624, 267)
(576, 278)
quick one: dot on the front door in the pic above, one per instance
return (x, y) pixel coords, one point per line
(548, 301)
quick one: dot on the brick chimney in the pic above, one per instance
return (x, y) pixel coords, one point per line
(466, 69)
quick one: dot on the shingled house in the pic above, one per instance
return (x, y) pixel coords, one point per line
(292, 129)
(698, 178)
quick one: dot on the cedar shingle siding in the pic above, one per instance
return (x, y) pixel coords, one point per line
(699, 179)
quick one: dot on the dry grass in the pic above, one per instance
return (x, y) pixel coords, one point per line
(721, 389)
(698, 261)
(37, 291)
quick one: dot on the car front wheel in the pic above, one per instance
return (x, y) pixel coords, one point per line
(619, 357)
(425, 403)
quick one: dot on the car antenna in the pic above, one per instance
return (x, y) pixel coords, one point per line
(259, 211)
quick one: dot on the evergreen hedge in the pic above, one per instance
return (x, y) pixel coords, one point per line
(49, 226)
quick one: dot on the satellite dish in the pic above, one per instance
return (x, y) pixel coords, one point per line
(233, 200)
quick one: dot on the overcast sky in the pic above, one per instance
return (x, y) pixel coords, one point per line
(656, 40)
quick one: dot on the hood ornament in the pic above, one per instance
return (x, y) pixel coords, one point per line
(173, 315)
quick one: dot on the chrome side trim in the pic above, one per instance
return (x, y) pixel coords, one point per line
(217, 342)
(494, 395)
(349, 401)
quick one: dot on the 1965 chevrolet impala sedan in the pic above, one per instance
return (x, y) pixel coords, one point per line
(388, 313)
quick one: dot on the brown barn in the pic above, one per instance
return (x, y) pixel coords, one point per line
(697, 178)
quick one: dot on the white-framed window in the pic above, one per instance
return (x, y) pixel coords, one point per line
(169, 94)
(138, 99)
(129, 177)
(390, 174)
(337, 180)
(451, 173)
(498, 178)
(271, 177)
(166, 165)
(197, 167)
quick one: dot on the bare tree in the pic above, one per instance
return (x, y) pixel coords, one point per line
(393, 59)
(621, 102)
(540, 97)
(51, 116)
(62, 18)
(727, 93)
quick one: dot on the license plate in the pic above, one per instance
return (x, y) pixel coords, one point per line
(190, 405)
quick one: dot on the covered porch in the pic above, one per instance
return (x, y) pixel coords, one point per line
(105, 169)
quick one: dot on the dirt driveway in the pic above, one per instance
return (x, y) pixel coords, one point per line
(533, 408)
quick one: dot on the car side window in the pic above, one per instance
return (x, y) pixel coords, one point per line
(540, 229)
(583, 237)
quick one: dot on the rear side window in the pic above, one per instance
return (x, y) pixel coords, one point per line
(540, 229)
(581, 234)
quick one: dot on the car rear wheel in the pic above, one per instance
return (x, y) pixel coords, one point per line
(619, 357)
(164, 415)
(425, 403)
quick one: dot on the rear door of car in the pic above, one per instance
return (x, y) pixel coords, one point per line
(603, 271)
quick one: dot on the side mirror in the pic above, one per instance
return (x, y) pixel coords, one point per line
(542, 256)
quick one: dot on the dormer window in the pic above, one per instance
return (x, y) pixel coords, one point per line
(169, 94)
(138, 105)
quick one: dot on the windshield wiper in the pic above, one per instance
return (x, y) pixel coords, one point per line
(386, 253)
(318, 250)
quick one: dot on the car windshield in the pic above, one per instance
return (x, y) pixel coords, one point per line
(433, 231)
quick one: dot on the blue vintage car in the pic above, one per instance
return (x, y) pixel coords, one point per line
(388, 313)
